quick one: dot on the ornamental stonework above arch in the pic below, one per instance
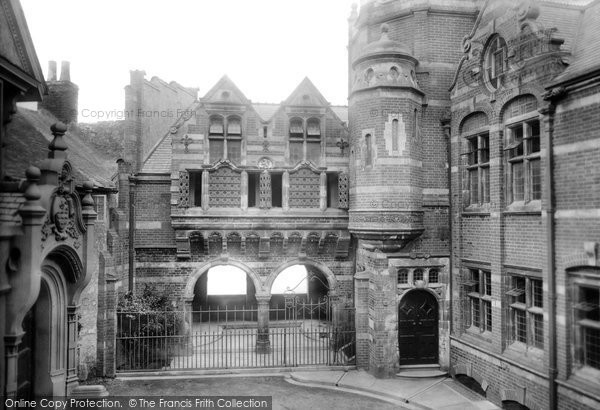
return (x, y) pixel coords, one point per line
(224, 188)
(305, 187)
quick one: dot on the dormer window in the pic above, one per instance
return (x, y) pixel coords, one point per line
(225, 138)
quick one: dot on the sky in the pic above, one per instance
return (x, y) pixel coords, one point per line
(231, 280)
(265, 46)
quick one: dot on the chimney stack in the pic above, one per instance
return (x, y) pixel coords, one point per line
(51, 70)
(62, 96)
(65, 71)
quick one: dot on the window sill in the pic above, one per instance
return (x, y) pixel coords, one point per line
(519, 350)
(476, 333)
(524, 208)
(483, 209)
(585, 378)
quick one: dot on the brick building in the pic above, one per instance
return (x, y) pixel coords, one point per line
(453, 204)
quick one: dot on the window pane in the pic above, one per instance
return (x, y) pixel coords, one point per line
(433, 276)
(519, 283)
(234, 126)
(475, 278)
(234, 150)
(535, 173)
(520, 326)
(313, 151)
(484, 149)
(313, 128)
(403, 276)
(473, 150)
(216, 149)
(537, 293)
(488, 283)
(296, 152)
(417, 275)
(518, 187)
(538, 331)
(216, 126)
(591, 340)
(474, 185)
(488, 316)
(534, 138)
(485, 193)
(296, 129)
(475, 318)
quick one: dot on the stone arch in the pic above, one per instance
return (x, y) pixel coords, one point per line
(69, 263)
(188, 293)
(467, 370)
(331, 280)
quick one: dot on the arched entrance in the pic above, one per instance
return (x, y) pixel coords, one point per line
(418, 315)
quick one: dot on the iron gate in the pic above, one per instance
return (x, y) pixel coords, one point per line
(299, 333)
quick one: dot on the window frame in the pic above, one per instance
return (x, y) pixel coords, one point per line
(526, 156)
(306, 137)
(479, 300)
(527, 306)
(475, 164)
(101, 216)
(581, 324)
(495, 48)
(225, 136)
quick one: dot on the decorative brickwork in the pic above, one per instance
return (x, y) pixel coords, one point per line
(184, 189)
(265, 190)
(343, 191)
(305, 186)
(224, 189)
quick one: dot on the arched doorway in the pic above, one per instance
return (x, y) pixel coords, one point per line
(418, 330)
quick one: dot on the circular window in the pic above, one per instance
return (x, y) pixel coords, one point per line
(494, 62)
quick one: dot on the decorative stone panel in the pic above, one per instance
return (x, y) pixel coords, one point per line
(343, 191)
(305, 187)
(184, 189)
(224, 188)
(234, 243)
(294, 244)
(265, 190)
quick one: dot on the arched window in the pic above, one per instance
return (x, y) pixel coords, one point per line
(394, 135)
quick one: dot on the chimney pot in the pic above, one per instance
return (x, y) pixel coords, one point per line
(65, 71)
(51, 70)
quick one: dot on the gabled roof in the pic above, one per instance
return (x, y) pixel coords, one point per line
(27, 139)
(17, 53)
(225, 91)
(306, 94)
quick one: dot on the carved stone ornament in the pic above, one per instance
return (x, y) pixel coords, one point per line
(65, 218)
(265, 163)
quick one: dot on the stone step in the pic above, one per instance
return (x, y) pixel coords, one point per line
(421, 372)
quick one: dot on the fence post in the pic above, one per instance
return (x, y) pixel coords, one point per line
(110, 328)
(263, 344)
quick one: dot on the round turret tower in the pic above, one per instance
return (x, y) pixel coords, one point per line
(384, 108)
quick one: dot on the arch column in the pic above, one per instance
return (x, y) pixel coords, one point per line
(263, 343)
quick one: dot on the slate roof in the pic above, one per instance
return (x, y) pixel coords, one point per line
(159, 159)
(265, 110)
(586, 49)
(27, 139)
(10, 202)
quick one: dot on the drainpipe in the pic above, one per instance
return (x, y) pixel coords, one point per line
(548, 118)
(131, 232)
(447, 133)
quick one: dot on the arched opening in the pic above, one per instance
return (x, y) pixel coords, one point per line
(418, 314)
(306, 287)
(471, 383)
(513, 405)
(224, 293)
